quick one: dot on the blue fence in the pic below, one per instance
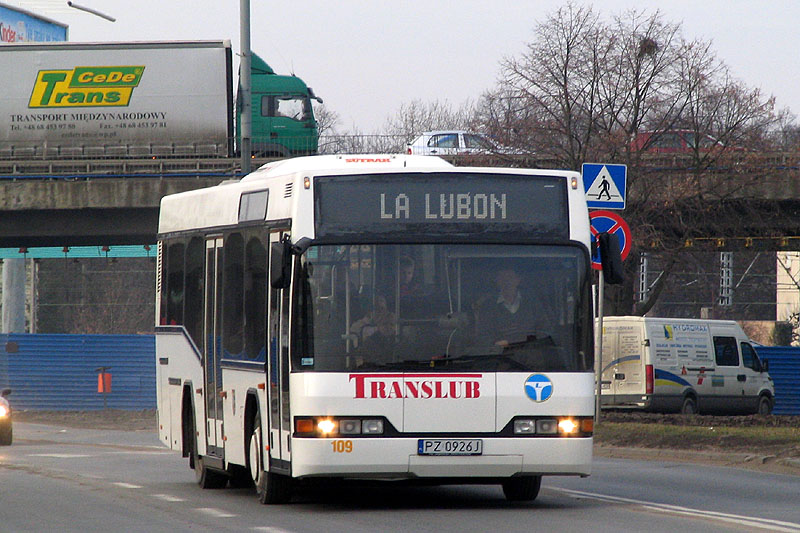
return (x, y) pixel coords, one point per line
(58, 372)
(784, 368)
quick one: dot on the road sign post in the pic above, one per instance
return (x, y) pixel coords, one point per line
(613, 224)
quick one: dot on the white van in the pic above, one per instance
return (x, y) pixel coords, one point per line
(683, 365)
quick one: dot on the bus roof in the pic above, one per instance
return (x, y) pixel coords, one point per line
(355, 163)
(218, 206)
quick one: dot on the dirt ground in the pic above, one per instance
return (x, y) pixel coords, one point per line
(764, 443)
(144, 420)
(645, 440)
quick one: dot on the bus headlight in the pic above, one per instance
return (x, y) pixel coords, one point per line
(326, 426)
(568, 426)
(3, 411)
(331, 426)
(349, 426)
(372, 427)
(524, 426)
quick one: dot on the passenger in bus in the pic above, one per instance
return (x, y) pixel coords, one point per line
(509, 316)
(376, 330)
(409, 285)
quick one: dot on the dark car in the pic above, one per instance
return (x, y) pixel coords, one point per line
(5, 419)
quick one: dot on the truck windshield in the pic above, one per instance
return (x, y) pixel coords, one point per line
(446, 307)
(294, 107)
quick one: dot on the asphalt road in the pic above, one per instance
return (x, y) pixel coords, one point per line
(67, 479)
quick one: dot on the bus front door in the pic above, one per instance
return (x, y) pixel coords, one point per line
(278, 370)
(212, 339)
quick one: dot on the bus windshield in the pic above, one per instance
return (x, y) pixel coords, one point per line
(517, 308)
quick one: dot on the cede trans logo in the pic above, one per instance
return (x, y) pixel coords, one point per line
(538, 387)
(85, 87)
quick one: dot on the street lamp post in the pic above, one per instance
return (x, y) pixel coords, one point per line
(245, 113)
(92, 11)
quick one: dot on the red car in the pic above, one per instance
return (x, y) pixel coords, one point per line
(673, 142)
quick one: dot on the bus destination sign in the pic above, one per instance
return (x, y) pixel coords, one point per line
(409, 205)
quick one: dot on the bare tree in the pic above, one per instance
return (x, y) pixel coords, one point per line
(412, 118)
(586, 90)
(555, 85)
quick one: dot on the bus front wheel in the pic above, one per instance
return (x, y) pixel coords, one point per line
(271, 488)
(522, 489)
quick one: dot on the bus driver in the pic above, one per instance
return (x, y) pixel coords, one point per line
(509, 317)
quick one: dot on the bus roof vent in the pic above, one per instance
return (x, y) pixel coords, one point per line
(287, 192)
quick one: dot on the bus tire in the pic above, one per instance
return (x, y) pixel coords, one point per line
(689, 406)
(271, 488)
(206, 478)
(522, 488)
(764, 405)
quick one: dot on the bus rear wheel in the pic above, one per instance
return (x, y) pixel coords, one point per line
(271, 488)
(522, 489)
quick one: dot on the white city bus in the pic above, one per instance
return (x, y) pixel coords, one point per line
(331, 317)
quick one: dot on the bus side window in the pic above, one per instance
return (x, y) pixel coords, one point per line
(193, 315)
(255, 300)
(233, 296)
(175, 285)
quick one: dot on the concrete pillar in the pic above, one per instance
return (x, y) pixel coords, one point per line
(13, 320)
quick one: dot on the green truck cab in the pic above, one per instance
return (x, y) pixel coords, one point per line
(283, 122)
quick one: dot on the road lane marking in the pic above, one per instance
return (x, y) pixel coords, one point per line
(215, 512)
(269, 529)
(126, 485)
(60, 455)
(749, 521)
(168, 498)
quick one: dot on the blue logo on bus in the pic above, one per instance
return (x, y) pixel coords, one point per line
(538, 387)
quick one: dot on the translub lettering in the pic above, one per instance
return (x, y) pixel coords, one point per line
(422, 386)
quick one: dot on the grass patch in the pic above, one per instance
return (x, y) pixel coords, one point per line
(649, 435)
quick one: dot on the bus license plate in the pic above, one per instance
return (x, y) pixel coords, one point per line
(450, 446)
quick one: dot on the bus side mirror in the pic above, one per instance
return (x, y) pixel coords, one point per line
(280, 267)
(610, 258)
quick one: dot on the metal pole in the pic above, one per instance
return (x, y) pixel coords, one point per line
(245, 113)
(92, 11)
(598, 359)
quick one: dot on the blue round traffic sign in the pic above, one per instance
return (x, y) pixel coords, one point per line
(612, 223)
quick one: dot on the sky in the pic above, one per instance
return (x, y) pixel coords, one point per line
(367, 57)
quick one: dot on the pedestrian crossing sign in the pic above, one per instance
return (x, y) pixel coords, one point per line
(605, 185)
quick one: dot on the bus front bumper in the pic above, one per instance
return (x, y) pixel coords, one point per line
(398, 458)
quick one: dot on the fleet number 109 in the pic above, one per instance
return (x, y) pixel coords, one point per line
(342, 446)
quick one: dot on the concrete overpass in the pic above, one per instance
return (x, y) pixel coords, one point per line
(71, 203)
(98, 202)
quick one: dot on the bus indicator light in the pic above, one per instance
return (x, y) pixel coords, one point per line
(304, 425)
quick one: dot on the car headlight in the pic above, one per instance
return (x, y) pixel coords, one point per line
(3, 411)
